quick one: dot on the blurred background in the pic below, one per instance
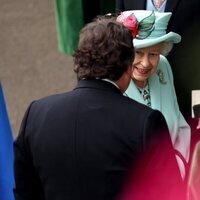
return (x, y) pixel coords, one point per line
(31, 66)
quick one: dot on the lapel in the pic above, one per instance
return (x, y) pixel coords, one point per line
(133, 93)
(155, 91)
(171, 5)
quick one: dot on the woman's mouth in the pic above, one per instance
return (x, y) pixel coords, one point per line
(142, 71)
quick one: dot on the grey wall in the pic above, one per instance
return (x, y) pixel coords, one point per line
(31, 66)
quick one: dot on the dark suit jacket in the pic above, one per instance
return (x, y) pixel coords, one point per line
(184, 57)
(81, 144)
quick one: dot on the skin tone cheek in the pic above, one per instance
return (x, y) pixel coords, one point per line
(145, 64)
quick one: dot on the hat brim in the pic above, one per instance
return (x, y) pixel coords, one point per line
(169, 37)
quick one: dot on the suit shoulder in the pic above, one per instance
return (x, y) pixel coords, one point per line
(51, 99)
(164, 61)
(141, 109)
(45, 104)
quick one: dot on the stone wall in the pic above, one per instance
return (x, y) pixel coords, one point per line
(31, 66)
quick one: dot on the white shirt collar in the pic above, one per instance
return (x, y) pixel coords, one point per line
(108, 80)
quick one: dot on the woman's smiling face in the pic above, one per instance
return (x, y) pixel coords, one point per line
(145, 63)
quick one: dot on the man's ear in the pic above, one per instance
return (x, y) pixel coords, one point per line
(130, 71)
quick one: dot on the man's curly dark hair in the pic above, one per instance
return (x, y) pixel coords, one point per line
(105, 50)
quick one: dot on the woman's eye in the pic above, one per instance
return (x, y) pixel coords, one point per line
(154, 54)
(138, 53)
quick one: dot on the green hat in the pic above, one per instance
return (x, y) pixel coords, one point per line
(151, 28)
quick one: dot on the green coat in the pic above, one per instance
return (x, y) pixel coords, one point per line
(163, 98)
(71, 15)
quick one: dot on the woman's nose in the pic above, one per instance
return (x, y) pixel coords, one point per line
(145, 61)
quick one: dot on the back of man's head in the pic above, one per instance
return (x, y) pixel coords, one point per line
(105, 50)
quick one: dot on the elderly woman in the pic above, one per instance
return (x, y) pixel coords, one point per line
(152, 78)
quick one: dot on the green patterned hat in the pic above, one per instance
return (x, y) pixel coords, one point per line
(151, 27)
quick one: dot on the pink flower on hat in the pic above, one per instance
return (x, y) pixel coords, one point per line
(121, 18)
(130, 22)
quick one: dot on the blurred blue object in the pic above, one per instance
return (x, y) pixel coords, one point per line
(6, 153)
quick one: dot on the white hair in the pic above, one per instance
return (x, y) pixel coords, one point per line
(167, 47)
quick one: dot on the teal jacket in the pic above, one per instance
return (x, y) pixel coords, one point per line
(163, 98)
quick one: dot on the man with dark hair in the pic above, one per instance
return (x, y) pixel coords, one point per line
(80, 145)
